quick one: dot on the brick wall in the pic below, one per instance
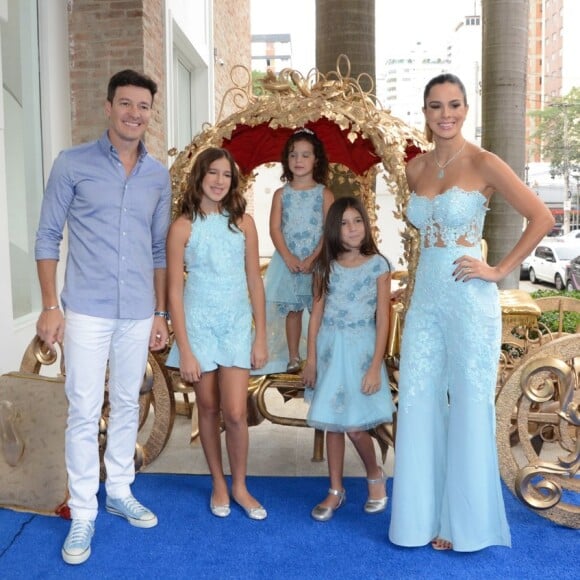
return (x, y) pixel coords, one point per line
(154, 65)
(232, 44)
(106, 36)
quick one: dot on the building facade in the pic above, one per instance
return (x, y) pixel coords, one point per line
(553, 72)
(404, 75)
(55, 60)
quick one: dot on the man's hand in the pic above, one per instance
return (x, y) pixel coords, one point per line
(50, 327)
(159, 334)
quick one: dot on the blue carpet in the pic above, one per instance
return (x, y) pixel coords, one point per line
(190, 542)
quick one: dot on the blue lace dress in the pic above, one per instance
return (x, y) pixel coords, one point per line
(218, 313)
(302, 224)
(345, 345)
(446, 479)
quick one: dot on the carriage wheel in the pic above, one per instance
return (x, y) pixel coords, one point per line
(156, 394)
(538, 428)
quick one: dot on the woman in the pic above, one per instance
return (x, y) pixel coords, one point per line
(446, 488)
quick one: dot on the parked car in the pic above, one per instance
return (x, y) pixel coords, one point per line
(549, 260)
(555, 231)
(525, 268)
(572, 237)
(573, 274)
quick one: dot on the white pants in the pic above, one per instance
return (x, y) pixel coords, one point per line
(89, 344)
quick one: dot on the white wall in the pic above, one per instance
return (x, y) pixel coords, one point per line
(268, 180)
(17, 333)
(193, 16)
(390, 228)
(5, 285)
(189, 26)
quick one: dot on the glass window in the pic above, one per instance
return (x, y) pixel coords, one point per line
(23, 148)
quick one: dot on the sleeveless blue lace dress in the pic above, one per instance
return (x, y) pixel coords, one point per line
(302, 224)
(446, 479)
(344, 347)
(218, 313)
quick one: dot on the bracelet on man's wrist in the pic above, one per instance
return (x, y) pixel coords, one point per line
(162, 313)
(47, 308)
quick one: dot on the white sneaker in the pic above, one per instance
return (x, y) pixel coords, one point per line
(77, 546)
(130, 509)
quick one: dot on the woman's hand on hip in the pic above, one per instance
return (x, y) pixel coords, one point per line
(468, 268)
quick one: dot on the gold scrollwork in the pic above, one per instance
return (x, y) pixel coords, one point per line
(541, 459)
(543, 494)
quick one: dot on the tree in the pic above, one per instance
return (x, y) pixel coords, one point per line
(505, 41)
(257, 88)
(559, 133)
(346, 27)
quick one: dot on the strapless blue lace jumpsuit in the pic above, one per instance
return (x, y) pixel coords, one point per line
(446, 479)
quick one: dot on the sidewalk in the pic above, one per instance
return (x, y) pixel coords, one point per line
(274, 449)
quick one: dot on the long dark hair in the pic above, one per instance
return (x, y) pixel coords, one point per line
(439, 80)
(321, 166)
(233, 203)
(332, 245)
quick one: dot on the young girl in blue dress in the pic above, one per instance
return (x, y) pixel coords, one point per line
(347, 338)
(212, 316)
(296, 221)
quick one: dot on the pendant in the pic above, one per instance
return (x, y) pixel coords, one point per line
(441, 174)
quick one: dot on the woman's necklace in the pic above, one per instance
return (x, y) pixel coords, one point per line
(441, 173)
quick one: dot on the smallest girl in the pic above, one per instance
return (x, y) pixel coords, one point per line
(347, 338)
(296, 222)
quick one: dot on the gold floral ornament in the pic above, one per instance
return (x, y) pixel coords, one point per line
(358, 134)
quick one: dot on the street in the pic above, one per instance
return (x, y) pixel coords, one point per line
(529, 287)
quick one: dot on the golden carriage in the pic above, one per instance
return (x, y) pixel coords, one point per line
(538, 397)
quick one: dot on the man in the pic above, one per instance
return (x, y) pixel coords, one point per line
(115, 200)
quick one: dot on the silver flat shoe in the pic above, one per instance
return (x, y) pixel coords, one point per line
(294, 365)
(322, 513)
(376, 506)
(220, 511)
(255, 513)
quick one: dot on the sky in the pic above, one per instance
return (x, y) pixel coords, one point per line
(399, 24)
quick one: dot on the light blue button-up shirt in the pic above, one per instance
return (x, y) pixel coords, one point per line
(117, 227)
